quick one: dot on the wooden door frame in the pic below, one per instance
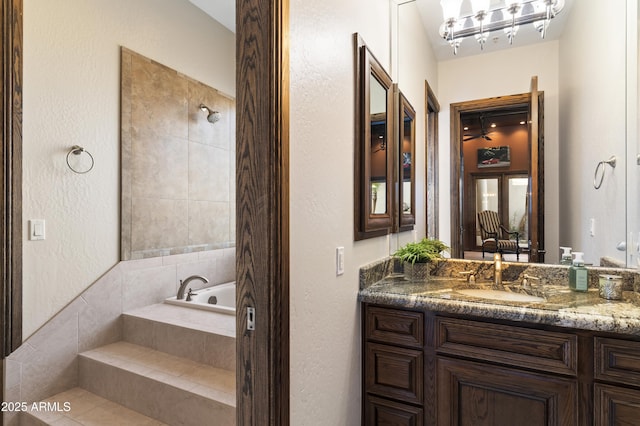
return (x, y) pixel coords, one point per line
(262, 211)
(11, 306)
(262, 215)
(432, 111)
(457, 179)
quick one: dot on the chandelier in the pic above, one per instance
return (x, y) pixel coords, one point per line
(507, 17)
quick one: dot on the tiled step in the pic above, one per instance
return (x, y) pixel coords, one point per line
(168, 388)
(80, 407)
(202, 336)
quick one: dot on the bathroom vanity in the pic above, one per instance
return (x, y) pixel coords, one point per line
(434, 356)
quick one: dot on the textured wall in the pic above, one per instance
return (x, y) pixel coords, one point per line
(71, 96)
(178, 169)
(325, 314)
(592, 111)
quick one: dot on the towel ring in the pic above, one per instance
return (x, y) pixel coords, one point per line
(78, 150)
(597, 183)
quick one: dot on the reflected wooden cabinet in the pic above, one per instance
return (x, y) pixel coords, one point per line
(384, 193)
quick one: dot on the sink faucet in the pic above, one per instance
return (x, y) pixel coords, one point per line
(497, 265)
(183, 284)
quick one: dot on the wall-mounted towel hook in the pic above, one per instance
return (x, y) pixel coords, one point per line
(597, 183)
(78, 150)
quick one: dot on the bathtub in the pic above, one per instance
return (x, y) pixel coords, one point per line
(220, 298)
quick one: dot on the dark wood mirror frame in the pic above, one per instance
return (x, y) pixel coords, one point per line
(367, 223)
(406, 113)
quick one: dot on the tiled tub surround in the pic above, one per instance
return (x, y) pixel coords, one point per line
(562, 307)
(178, 169)
(47, 362)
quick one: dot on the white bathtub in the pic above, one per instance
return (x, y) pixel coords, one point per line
(219, 298)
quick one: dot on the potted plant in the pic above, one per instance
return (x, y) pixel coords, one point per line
(417, 256)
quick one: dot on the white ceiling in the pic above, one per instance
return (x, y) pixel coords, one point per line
(431, 13)
(223, 11)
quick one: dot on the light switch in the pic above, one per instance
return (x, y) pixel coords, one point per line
(36, 229)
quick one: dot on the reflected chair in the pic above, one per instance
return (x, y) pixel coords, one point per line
(495, 237)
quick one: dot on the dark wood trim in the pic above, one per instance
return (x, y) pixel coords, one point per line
(11, 226)
(366, 223)
(457, 202)
(431, 162)
(12, 176)
(262, 215)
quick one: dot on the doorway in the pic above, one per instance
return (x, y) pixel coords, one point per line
(262, 227)
(501, 165)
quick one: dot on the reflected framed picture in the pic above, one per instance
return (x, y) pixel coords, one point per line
(498, 156)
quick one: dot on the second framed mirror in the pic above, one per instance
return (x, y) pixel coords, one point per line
(405, 217)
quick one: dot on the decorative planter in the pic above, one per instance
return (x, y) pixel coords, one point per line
(416, 271)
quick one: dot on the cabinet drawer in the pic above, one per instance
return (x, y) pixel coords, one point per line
(395, 326)
(516, 346)
(394, 372)
(380, 412)
(617, 361)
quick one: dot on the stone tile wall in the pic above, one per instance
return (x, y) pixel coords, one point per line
(178, 169)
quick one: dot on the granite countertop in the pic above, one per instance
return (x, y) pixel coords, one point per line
(560, 306)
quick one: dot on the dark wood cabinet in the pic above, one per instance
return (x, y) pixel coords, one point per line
(380, 411)
(393, 367)
(475, 394)
(617, 362)
(426, 368)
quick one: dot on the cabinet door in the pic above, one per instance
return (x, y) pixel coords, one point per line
(382, 412)
(474, 394)
(616, 406)
(394, 372)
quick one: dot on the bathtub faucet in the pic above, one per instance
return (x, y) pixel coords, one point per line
(183, 284)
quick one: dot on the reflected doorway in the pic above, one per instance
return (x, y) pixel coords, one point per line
(497, 162)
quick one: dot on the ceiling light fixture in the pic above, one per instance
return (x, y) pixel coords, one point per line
(507, 18)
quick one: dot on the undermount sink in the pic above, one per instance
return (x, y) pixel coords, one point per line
(500, 295)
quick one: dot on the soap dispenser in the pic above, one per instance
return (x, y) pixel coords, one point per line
(566, 256)
(578, 275)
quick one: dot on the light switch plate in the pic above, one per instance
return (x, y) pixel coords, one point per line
(36, 230)
(339, 260)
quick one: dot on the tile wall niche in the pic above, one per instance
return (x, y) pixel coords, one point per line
(47, 362)
(178, 169)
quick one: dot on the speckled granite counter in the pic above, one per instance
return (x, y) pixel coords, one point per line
(380, 284)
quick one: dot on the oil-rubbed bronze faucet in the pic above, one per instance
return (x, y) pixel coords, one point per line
(183, 284)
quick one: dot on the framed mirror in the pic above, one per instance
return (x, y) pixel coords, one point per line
(374, 165)
(406, 130)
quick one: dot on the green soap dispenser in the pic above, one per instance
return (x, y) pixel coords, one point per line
(578, 275)
(566, 256)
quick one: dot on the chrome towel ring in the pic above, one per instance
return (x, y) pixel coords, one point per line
(78, 150)
(597, 183)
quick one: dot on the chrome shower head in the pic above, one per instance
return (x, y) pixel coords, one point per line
(212, 116)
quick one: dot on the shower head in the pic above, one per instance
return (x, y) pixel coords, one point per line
(212, 116)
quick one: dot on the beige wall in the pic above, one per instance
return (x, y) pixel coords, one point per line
(592, 111)
(325, 314)
(71, 97)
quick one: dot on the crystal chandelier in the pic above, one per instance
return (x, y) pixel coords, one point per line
(506, 17)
